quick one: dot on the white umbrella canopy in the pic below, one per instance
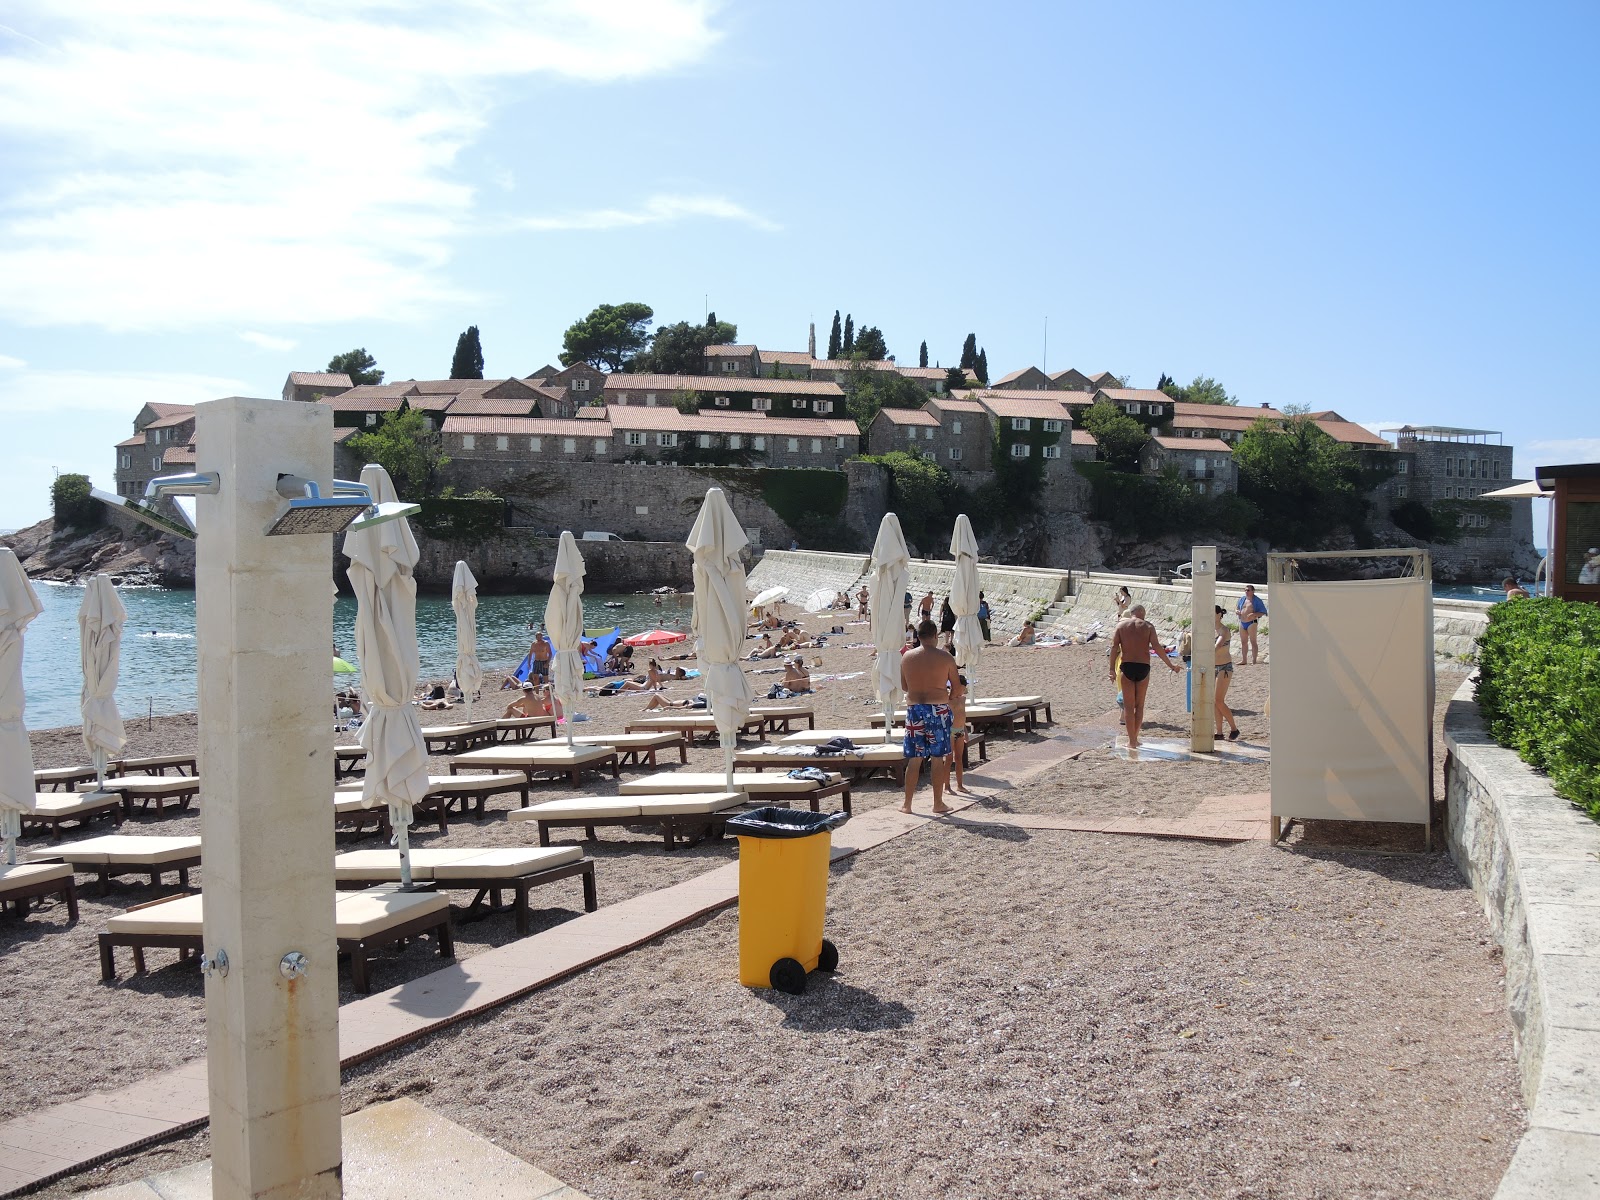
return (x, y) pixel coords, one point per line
(19, 604)
(718, 624)
(100, 620)
(891, 573)
(563, 618)
(381, 562)
(464, 599)
(964, 599)
(768, 596)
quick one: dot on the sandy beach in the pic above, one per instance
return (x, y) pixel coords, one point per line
(1018, 1013)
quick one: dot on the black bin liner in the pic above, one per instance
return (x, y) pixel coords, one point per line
(784, 823)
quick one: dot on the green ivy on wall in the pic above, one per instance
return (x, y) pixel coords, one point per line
(473, 519)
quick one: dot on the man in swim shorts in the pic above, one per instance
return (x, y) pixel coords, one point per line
(929, 679)
(1134, 642)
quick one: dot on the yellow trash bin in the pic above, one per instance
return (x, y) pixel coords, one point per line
(783, 894)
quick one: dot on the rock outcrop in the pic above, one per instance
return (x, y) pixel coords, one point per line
(131, 559)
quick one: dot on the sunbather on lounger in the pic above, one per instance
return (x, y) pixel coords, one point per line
(660, 702)
(534, 702)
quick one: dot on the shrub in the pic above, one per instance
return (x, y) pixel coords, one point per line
(473, 519)
(71, 503)
(1539, 690)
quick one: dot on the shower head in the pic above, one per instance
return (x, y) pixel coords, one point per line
(145, 514)
(309, 511)
(378, 514)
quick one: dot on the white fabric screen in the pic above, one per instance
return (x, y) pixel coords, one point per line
(1352, 699)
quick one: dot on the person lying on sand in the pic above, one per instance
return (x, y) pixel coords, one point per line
(650, 681)
(1026, 637)
(765, 650)
(659, 702)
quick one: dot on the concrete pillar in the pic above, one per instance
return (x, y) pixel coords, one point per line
(265, 630)
(1202, 658)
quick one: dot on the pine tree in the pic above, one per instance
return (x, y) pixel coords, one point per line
(981, 367)
(969, 352)
(848, 345)
(468, 360)
(834, 339)
(922, 355)
(711, 320)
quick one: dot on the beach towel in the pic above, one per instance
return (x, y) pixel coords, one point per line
(816, 773)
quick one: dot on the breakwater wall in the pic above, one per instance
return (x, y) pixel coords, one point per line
(518, 561)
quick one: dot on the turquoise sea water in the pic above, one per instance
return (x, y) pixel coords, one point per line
(158, 651)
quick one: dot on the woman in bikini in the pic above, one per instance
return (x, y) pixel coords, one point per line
(1224, 677)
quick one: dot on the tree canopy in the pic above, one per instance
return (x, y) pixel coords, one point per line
(405, 447)
(1119, 436)
(835, 337)
(870, 344)
(359, 365)
(680, 348)
(980, 367)
(608, 337)
(922, 355)
(467, 362)
(1202, 390)
(924, 496)
(869, 392)
(969, 352)
(954, 377)
(1305, 483)
(71, 503)
(848, 345)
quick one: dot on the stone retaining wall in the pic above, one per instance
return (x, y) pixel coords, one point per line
(1534, 862)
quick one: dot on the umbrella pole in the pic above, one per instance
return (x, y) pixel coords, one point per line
(403, 839)
(888, 721)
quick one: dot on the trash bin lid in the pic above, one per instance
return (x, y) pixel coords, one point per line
(784, 823)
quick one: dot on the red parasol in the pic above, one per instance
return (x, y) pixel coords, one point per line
(655, 637)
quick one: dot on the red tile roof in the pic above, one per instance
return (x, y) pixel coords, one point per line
(1009, 376)
(319, 379)
(136, 440)
(590, 412)
(1124, 395)
(433, 404)
(665, 385)
(844, 364)
(526, 426)
(909, 416)
(1082, 437)
(956, 404)
(169, 420)
(1011, 404)
(339, 435)
(1349, 432)
(481, 406)
(1199, 445)
(349, 402)
(642, 416)
(755, 423)
(788, 358)
(405, 388)
(177, 455)
(922, 372)
(730, 351)
(450, 387)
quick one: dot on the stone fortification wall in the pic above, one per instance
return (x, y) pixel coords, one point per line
(519, 561)
(1534, 863)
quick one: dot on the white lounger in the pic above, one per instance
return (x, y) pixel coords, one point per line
(774, 789)
(863, 763)
(363, 921)
(634, 749)
(489, 872)
(548, 757)
(114, 854)
(25, 881)
(454, 739)
(53, 809)
(150, 789)
(703, 812)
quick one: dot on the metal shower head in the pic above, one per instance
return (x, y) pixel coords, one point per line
(309, 511)
(378, 514)
(145, 514)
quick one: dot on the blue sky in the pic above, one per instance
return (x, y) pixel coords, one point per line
(1378, 209)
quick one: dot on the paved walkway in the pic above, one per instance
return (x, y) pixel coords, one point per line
(67, 1138)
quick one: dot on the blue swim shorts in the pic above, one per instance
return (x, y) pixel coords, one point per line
(927, 731)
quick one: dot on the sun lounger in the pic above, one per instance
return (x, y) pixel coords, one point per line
(489, 872)
(982, 716)
(61, 779)
(350, 814)
(860, 764)
(779, 718)
(693, 725)
(471, 791)
(1032, 703)
(156, 764)
(116, 854)
(150, 789)
(457, 739)
(774, 789)
(874, 737)
(364, 921)
(523, 729)
(54, 809)
(349, 761)
(547, 758)
(27, 881)
(699, 813)
(638, 749)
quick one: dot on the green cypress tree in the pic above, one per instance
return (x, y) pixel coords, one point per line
(969, 352)
(468, 360)
(981, 367)
(834, 338)
(922, 355)
(848, 345)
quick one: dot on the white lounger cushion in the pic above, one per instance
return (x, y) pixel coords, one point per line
(796, 754)
(473, 783)
(27, 874)
(670, 782)
(631, 741)
(688, 720)
(692, 804)
(1007, 701)
(123, 849)
(539, 757)
(356, 914)
(815, 737)
(181, 914)
(57, 774)
(576, 807)
(349, 802)
(782, 710)
(147, 785)
(524, 722)
(153, 760)
(381, 866)
(457, 730)
(72, 804)
(350, 751)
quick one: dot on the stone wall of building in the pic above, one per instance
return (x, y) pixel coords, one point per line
(520, 561)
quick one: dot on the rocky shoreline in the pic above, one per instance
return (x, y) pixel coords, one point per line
(131, 559)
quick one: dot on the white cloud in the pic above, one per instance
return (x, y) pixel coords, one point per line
(657, 210)
(7, 363)
(267, 342)
(123, 392)
(1556, 451)
(179, 163)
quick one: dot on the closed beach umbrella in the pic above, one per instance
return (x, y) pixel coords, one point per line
(464, 599)
(563, 618)
(19, 604)
(891, 575)
(964, 599)
(719, 609)
(100, 620)
(381, 562)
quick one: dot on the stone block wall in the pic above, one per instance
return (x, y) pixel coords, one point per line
(1533, 861)
(520, 561)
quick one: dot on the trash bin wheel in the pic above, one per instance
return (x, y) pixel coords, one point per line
(828, 960)
(788, 976)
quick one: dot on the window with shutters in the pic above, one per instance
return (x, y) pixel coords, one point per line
(794, 445)
(1052, 451)
(1052, 426)
(800, 402)
(762, 404)
(838, 443)
(824, 406)
(758, 443)
(633, 438)
(955, 453)
(729, 365)
(703, 441)
(927, 433)
(816, 445)
(536, 444)
(599, 446)
(502, 443)
(649, 399)
(372, 418)
(955, 425)
(469, 441)
(580, 385)
(666, 439)
(1019, 423)
(569, 445)
(735, 442)
(1020, 449)
(722, 402)
(127, 461)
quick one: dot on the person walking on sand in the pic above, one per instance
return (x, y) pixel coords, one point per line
(925, 609)
(958, 736)
(1134, 641)
(1224, 661)
(1251, 608)
(983, 618)
(929, 679)
(861, 603)
(541, 655)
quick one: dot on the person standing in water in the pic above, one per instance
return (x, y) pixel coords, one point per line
(1134, 641)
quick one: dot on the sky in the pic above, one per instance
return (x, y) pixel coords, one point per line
(1385, 210)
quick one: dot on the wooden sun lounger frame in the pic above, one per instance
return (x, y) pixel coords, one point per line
(67, 783)
(189, 945)
(771, 721)
(106, 872)
(860, 770)
(347, 764)
(548, 770)
(113, 812)
(66, 888)
(674, 825)
(426, 811)
(473, 799)
(756, 726)
(181, 789)
(154, 764)
(460, 743)
(505, 735)
(518, 885)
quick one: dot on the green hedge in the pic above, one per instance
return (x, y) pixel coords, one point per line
(473, 519)
(1539, 690)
